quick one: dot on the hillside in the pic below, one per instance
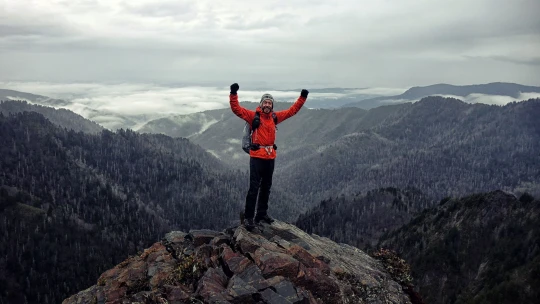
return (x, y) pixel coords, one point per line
(359, 220)
(220, 131)
(60, 117)
(32, 98)
(440, 146)
(72, 200)
(482, 248)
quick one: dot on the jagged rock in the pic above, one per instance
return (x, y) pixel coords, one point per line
(233, 262)
(176, 293)
(159, 267)
(269, 296)
(200, 237)
(221, 239)
(174, 242)
(252, 275)
(320, 284)
(175, 237)
(276, 263)
(212, 286)
(240, 291)
(307, 259)
(287, 291)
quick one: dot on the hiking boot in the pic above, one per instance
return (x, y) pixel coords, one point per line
(248, 223)
(266, 219)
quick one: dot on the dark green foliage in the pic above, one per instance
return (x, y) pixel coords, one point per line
(61, 117)
(396, 266)
(526, 198)
(360, 220)
(441, 146)
(444, 200)
(72, 204)
(483, 248)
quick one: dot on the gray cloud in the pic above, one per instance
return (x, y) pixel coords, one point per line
(277, 43)
(266, 22)
(9, 30)
(160, 9)
(132, 105)
(524, 61)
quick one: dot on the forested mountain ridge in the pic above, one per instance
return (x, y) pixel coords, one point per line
(33, 98)
(481, 248)
(359, 220)
(441, 146)
(60, 117)
(72, 200)
(220, 131)
(495, 89)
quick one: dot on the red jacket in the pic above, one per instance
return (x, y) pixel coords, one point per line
(265, 134)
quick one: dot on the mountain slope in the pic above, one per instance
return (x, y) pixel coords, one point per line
(359, 220)
(482, 248)
(438, 145)
(415, 93)
(33, 98)
(441, 146)
(118, 191)
(184, 125)
(220, 131)
(61, 117)
(108, 119)
(496, 88)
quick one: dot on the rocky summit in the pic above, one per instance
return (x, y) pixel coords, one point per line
(273, 264)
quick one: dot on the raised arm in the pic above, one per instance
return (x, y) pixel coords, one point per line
(290, 112)
(237, 109)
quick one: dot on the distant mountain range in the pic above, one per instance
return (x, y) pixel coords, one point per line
(32, 98)
(107, 119)
(350, 150)
(326, 152)
(219, 131)
(415, 93)
(60, 117)
(441, 146)
(365, 98)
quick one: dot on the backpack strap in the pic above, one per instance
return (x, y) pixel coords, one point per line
(274, 116)
(257, 120)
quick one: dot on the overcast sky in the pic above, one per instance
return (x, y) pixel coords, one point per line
(277, 44)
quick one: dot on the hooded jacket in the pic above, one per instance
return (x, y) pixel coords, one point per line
(265, 134)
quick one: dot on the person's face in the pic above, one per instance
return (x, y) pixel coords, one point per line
(267, 106)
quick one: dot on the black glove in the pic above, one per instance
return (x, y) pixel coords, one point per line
(304, 93)
(234, 88)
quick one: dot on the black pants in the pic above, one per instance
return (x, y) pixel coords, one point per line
(260, 182)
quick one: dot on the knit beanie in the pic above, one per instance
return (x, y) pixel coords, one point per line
(267, 96)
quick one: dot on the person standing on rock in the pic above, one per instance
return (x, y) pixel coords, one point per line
(263, 151)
